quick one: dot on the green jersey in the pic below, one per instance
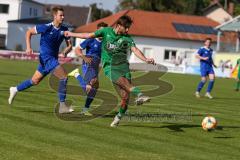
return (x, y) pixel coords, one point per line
(115, 48)
(114, 54)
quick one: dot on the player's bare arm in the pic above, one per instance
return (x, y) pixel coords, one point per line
(214, 65)
(141, 56)
(29, 33)
(79, 35)
(78, 52)
(68, 48)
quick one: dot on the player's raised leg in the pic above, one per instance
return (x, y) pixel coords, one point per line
(125, 84)
(75, 73)
(62, 89)
(36, 78)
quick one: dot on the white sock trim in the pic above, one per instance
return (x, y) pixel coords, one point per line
(15, 89)
(76, 75)
(62, 103)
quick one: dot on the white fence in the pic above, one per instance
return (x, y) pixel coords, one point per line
(183, 69)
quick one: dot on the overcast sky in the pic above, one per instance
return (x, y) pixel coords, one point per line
(106, 4)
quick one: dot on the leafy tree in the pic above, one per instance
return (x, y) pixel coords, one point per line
(98, 13)
(191, 7)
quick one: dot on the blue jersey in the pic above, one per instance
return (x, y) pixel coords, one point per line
(206, 52)
(93, 50)
(51, 39)
(93, 47)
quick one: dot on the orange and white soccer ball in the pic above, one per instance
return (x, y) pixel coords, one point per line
(209, 123)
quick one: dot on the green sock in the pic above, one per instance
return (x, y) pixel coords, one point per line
(121, 112)
(136, 91)
(238, 85)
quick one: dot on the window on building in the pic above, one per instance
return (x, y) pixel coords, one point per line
(35, 12)
(4, 8)
(147, 52)
(30, 11)
(170, 55)
(48, 10)
(2, 40)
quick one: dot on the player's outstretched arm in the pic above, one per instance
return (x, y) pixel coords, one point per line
(141, 56)
(79, 35)
(29, 33)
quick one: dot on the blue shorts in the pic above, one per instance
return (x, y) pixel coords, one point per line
(206, 71)
(47, 64)
(89, 73)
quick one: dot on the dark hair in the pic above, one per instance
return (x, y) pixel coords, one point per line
(56, 9)
(208, 38)
(125, 21)
(101, 24)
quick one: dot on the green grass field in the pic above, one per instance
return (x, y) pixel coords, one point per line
(31, 130)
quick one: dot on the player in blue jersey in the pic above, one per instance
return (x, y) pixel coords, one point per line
(204, 54)
(90, 67)
(52, 35)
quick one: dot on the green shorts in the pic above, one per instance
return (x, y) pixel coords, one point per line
(238, 74)
(114, 72)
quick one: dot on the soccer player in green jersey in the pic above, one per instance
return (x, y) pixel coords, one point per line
(238, 76)
(116, 44)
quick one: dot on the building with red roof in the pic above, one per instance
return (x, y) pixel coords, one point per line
(167, 37)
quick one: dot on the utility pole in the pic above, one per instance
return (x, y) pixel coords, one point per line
(101, 8)
(225, 5)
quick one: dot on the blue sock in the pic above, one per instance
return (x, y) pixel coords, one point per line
(210, 86)
(90, 97)
(88, 102)
(81, 82)
(62, 89)
(200, 85)
(24, 85)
